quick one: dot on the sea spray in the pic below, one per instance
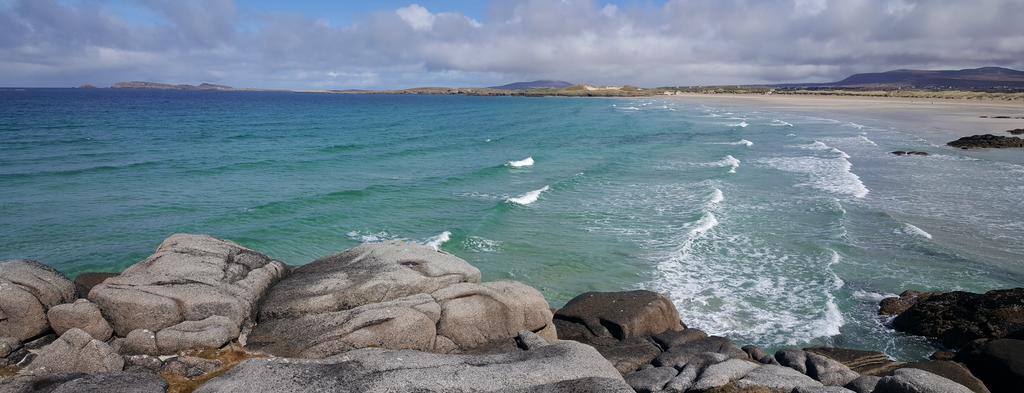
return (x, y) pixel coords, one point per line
(527, 198)
(437, 241)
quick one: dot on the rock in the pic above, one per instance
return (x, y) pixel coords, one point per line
(822, 389)
(909, 380)
(23, 355)
(999, 363)
(717, 375)
(211, 333)
(27, 290)
(863, 384)
(952, 371)
(191, 366)
(561, 366)
(189, 278)
(987, 141)
(143, 363)
(793, 358)
(862, 362)
(909, 153)
(956, 318)
(76, 352)
(457, 318)
(652, 379)
(897, 305)
(618, 315)
(776, 378)
(630, 354)
(8, 345)
(120, 382)
(679, 355)
(367, 274)
(942, 355)
(1018, 131)
(693, 368)
(827, 371)
(139, 341)
(81, 314)
(899, 153)
(527, 340)
(84, 282)
(757, 354)
(673, 338)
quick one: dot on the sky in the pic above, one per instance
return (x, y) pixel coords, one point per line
(382, 44)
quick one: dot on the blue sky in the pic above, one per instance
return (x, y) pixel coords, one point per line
(321, 44)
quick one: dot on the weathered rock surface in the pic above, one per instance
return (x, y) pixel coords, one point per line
(27, 290)
(909, 380)
(721, 374)
(75, 352)
(8, 345)
(863, 384)
(562, 366)
(673, 338)
(618, 315)
(828, 371)
(999, 363)
(693, 369)
(952, 371)
(120, 382)
(81, 314)
(189, 278)
(630, 354)
(209, 333)
(956, 318)
(793, 358)
(367, 274)
(862, 362)
(987, 141)
(776, 378)
(892, 306)
(24, 354)
(679, 355)
(652, 379)
(821, 389)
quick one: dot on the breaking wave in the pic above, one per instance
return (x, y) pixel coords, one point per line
(527, 198)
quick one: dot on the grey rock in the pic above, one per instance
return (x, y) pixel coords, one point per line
(863, 384)
(143, 363)
(120, 382)
(138, 342)
(721, 374)
(81, 314)
(8, 345)
(370, 273)
(691, 370)
(652, 379)
(191, 366)
(628, 355)
(793, 358)
(210, 333)
(27, 290)
(952, 371)
(561, 365)
(673, 338)
(863, 362)
(23, 355)
(829, 371)
(189, 278)
(757, 354)
(776, 378)
(528, 340)
(75, 351)
(85, 281)
(677, 356)
(618, 315)
(822, 389)
(909, 380)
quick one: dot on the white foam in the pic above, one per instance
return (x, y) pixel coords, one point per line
(873, 297)
(780, 123)
(828, 174)
(369, 237)
(732, 162)
(818, 145)
(703, 225)
(479, 244)
(868, 140)
(528, 161)
(910, 229)
(527, 198)
(739, 142)
(716, 198)
(629, 108)
(855, 125)
(741, 124)
(437, 241)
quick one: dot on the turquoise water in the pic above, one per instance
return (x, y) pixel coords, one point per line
(771, 228)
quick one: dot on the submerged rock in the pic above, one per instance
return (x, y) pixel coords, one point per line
(562, 366)
(189, 278)
(956, 318)
(28, 289)
(987, 141)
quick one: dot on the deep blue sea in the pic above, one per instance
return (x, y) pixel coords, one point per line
(771, 228)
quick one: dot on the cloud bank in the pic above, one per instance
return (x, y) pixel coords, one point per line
(677, 42)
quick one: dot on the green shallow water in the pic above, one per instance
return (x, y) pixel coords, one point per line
(771, 228)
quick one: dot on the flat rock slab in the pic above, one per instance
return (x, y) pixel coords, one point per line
(952, 371)
(618, 315)
(120, 382)
(28, 289)
(560, 366)
(909, 380)
(862, 362)
(776, 378)
(189, 278)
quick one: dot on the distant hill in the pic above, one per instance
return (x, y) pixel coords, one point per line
(165, 86)
(542, 84)
(975, 78)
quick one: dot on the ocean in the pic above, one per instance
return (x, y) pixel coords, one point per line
(771, 228)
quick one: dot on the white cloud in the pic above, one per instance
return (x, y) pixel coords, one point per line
(900, 8)
(809, 7)
(416, 16)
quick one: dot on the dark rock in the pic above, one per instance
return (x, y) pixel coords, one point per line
(191, 366)
(527, 340)
(952, 371)
(863, 384)
(651, 380)
(987, 141)
(909, 380)
(917, 153)
(120, 382)
(27, 290)
(673, 338)
(679, 355)
(757, 353)
(8, 345)
(561, 365)
(999, 363)
(942, 355)
(862, 362)
(618, 315)
(85, 281)
(899, 153)
(897, 305)
(821, 389)
(793, 358)
(956, 318)
(1018, 131)
(828, 371)
(628, 355)
(22, 356)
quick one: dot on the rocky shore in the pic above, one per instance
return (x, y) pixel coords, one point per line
(987, 141)
(207, 315)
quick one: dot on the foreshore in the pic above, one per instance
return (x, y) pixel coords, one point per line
(208, 315)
